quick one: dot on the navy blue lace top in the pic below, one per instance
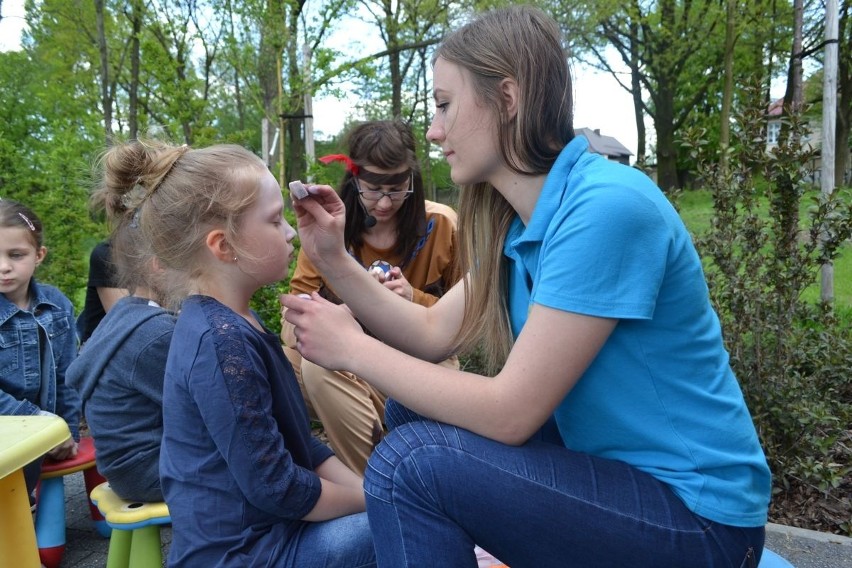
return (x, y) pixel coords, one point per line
(238, 456)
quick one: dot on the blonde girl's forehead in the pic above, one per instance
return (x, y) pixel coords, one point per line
(268, 194)
(243, 184)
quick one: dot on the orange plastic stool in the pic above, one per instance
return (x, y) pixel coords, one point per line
(50, 513)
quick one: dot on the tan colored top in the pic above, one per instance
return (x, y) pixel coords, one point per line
(432, 272)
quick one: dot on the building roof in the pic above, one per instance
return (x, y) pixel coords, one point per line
(776, 107)
(605, 145)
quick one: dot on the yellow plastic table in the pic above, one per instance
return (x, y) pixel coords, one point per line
(22, 440)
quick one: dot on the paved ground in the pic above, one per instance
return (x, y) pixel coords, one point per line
(87, 549)
(809, 549)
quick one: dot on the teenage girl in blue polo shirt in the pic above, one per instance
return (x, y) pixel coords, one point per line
(589, 300)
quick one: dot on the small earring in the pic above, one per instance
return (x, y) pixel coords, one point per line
(235, 259)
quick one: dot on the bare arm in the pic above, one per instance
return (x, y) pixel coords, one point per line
(342, 492)
(549, 357)
(336, 471)
(424, 332)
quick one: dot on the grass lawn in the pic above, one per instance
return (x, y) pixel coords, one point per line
(696, 210)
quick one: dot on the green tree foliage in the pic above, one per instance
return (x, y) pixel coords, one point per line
(44, 152)
(406, 28)
(794, 360)
(674, 53)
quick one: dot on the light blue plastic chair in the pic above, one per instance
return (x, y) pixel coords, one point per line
(771, 560)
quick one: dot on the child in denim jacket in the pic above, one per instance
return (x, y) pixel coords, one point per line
(37, 339)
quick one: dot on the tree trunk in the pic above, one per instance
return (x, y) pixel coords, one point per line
(186, 122)
(295, 103)
(666, 151)
(106, 100)
(793, 95)
(238, 98)
(844, 97)
(788, 204)
(664, 118)
(392, 42)
(728, 89)
(842, 134)
(272, 33)
(133, 88)
(636, 92)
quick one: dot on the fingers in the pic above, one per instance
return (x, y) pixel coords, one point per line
(317, 325)
(322, 201)
(290, 300)
(319, 203)
(400, 288)
(292, 306)
(64, 451)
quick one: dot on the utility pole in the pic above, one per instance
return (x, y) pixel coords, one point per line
(264, 141)
(829, 117)
(281, 132)
(310, 152)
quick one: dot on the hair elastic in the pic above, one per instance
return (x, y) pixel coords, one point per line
(351, 166)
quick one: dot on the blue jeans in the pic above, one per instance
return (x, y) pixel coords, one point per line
(344, 542)
(433, 491)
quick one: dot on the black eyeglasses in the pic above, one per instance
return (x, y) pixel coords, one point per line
(394, 195)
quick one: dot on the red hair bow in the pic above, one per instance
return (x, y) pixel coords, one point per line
(351, 166)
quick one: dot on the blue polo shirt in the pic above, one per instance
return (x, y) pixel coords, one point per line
(604, 241)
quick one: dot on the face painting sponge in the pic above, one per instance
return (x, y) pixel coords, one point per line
(298, 189)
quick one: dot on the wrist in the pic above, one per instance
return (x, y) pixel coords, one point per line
(338, 266)
(363, 349)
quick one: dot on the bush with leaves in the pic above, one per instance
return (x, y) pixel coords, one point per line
(793, 360)
(53, 184)
(265, 301)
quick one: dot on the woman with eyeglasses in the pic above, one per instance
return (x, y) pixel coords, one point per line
(409, 246)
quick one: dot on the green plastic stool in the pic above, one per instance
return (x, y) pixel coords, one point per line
(135, 540)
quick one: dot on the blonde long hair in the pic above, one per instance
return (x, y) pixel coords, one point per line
(172, 196)
(524, 44)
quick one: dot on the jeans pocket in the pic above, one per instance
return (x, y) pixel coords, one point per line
(750, 561)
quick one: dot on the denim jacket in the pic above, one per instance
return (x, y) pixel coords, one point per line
(32, 380)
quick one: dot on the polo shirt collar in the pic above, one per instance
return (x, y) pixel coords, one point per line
(552, 194)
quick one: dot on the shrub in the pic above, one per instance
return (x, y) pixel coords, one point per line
(793, 359)
(265, 301)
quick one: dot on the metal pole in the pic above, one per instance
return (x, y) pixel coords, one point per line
(264, 140)
(829, 118)
(281, 125)
(310, 152)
